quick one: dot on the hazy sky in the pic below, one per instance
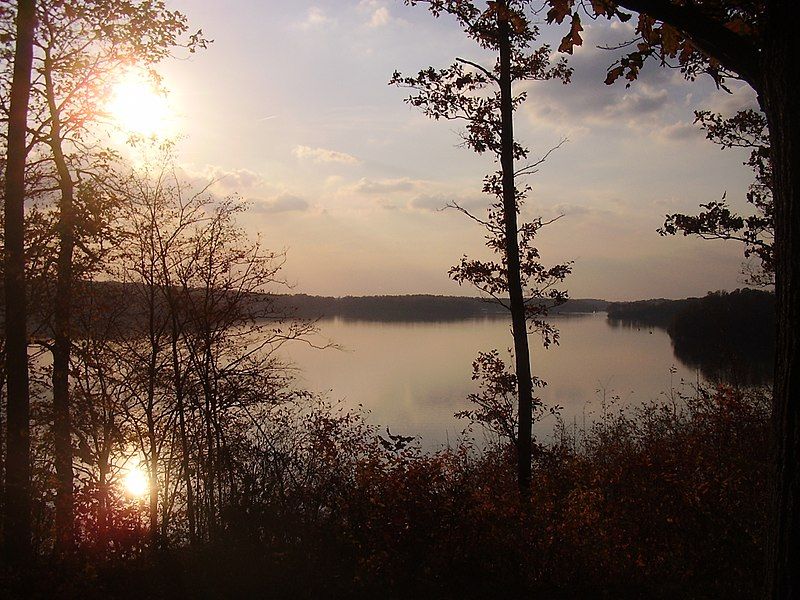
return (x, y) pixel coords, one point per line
(290, 107)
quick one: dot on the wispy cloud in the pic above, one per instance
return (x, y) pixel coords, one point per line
(380, 17)
(325, 155)
(378, 13)
(383, 186)
(280, 204)
(680, 131)
(314, 19)
(235, 179)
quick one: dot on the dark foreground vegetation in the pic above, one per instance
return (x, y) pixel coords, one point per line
(662, 501)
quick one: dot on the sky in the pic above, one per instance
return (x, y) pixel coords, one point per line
(290, 108)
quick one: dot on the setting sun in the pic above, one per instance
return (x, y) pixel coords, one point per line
(135, 482)
(138, 107)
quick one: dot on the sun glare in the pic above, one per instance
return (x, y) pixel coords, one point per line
(138, 107)
(135, 482)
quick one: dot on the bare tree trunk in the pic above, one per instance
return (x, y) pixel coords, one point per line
(179, 397)
(153, 488)
(781, 81)
(2, 415)
(211, 466)
(62, 317)
(102, 506)
(166, 500)
(17, 517)
(152, 466)
(516, 297)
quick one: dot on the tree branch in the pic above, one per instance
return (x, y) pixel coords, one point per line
(483, 70)
(732, 50)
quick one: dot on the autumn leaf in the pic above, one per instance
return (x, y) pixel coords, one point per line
(670, 40)
(573, 38)
(559, 11)
(613, 74)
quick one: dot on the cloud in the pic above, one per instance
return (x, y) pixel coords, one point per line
(380, 17)
(587, 103)
(280, 204)
(219, 179)
(383, 186)
(742, 97)
(315, 18)
(578, 211)
(378, 14)
(679, 132)
(324, 155)
(236, 179)
(643, 101)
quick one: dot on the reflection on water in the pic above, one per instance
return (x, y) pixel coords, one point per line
(413, 376)
(746, 359)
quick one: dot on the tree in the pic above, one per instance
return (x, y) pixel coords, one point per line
(485, 100)
(745, 129)
(17, 518)
(751, 40)
(99, 396)
(495, 410)
(199, 343)
(82, 48)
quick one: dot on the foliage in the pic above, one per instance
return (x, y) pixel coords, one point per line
(718, 38)
(483, 99)
(745, 129)
(660, 501)
(540, 283)
(495, 403)
(728, 336)
(469, 93)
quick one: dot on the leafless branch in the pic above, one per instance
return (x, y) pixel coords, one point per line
(482, 69)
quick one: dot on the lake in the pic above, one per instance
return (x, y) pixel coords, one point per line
(412, 376)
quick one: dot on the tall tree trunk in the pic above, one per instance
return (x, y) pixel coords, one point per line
(2, 416)
(152, 465)
(179, 397)
(781, 81)
(62, 317)
(210, 465)
(516, 297)
(152, 375)
(17, 517)
(152, 469)
(102, 506)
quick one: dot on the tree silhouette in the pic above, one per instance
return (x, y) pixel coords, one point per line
(745, 129)
(483, 98)
(17, 518)
(752, 41)
(81, 47)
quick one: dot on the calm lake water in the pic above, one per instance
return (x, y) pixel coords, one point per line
(412, 376)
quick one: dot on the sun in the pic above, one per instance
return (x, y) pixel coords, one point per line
(137, 107)
(135, 482)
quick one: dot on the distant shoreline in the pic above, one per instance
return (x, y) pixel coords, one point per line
(416, 307)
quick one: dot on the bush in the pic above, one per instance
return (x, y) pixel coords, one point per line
(662, 501)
